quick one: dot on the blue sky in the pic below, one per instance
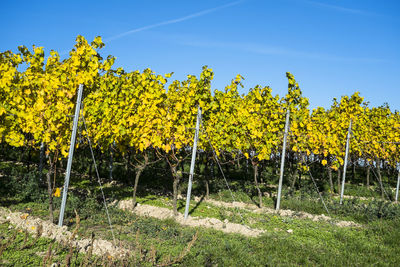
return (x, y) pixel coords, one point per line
(333, 48)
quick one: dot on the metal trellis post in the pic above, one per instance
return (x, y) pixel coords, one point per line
(196, 137)
(278, 200)
(70, 155)
(345, 162)
(397, 186)
(41, 160)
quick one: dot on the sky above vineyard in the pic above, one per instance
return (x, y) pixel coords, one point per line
(333, 48)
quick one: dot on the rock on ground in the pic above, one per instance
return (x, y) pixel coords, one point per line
(164, 213)
(281, 212)
(61, 234)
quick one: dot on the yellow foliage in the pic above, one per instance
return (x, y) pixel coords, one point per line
(57, 192)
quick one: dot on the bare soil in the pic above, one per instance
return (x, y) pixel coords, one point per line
(164, 213)
(281, 212)
(30, 224)
(226, 226)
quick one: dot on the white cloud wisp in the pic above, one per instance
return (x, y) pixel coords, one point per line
(172, 21)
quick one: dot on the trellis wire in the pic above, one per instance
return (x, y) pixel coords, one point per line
(319, 193)
(380, 183)
(98, 179)
(376, 176)
(222, 172)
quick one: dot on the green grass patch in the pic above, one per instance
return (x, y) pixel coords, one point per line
(155, 241)
(18, 248)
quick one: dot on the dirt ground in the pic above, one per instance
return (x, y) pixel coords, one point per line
(226, 226)
(281, 212)
(103, 247)
(30, 224)
(164, 213)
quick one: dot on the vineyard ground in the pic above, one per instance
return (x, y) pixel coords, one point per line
(293, 236)
(285, 240)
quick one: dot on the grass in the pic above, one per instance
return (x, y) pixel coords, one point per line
(18, 248)
(311, 243)
(158, 241)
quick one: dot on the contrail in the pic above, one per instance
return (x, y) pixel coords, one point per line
(172, 21)
(340, 8)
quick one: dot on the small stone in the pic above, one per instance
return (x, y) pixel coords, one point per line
(290, 231)
(214, 221)
(226, 221)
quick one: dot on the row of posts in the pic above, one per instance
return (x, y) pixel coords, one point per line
(278, 201)
(194, 149)
(192, 164)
